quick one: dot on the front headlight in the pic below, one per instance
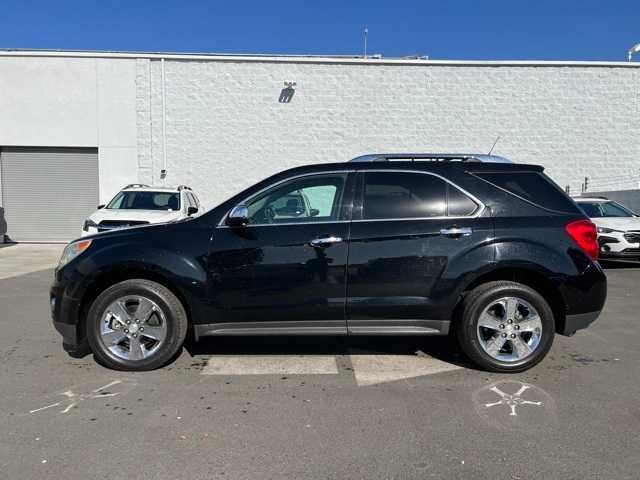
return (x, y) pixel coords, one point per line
(72, 250)
(608, 230)
(88, 223)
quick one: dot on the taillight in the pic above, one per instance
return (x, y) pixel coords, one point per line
(584, 233)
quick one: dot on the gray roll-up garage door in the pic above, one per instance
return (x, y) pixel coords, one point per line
(47, 193)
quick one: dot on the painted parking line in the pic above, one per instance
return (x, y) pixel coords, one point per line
(271, 365)
(375, 369)
(367, 369)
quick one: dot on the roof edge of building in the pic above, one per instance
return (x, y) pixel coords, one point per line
(323, 59)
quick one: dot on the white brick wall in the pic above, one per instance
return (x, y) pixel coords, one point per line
(225, 128)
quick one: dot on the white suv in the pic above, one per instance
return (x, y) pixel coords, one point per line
(139, 204)
(618, 227)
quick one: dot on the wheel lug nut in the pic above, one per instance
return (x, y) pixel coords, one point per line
(501, 325)
(141, 328)
(126, 330)
(513, 335)
(517, 327)
(504, 334)
(509, 321)
(128, 322)
(135, 335)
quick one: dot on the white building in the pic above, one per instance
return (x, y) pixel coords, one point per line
(75, 127)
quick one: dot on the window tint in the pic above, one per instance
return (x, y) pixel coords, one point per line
(314, 198)
(535, 187)
(604, 209)
(144, 200)
(590, 209)
(458, 204)
(403, 195)
(613, 209)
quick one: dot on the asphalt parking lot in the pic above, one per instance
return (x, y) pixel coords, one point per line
(276, 408)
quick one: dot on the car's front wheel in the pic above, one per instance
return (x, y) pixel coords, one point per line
(506, 327)
(136, 325)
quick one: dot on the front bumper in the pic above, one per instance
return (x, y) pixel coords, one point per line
(616, 244)
(65, 313)
(89, 231)
(626, 253)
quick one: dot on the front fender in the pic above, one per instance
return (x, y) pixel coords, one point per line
(178, 269)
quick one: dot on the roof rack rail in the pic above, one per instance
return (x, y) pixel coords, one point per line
(586, 195)
(431, 157)
(184, 187)
(136, 185)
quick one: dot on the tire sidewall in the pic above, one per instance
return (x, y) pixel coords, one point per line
(471, 316)
(173, 312)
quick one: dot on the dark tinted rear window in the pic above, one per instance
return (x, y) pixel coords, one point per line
(403, 195)
(534, 187)
(459, 205)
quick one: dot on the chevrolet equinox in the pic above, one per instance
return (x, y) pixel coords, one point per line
(475, 246)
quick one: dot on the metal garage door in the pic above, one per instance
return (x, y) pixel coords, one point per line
(47, 193)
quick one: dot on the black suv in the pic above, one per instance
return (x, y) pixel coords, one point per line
(414, 244)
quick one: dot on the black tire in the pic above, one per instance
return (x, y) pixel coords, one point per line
(174, 313)
(473, 306)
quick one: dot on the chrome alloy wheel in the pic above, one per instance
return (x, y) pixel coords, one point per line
(133, 327)
(509, 329)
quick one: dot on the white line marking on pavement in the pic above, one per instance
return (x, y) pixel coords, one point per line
(44, 408)
(271, 365)
(74, 398)
(374, 369)
(111, 384)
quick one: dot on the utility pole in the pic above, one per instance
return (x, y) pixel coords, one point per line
(366, 34)
(586, 183)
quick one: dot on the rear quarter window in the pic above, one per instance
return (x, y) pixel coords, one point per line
(534, 187)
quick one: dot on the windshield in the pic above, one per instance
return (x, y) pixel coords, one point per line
(605, 209)
(143, 200)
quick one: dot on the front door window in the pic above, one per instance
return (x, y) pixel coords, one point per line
(315, 198)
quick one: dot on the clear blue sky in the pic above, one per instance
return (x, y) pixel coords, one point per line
(446, 29)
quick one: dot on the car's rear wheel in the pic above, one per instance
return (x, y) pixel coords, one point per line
(506, 327)
(136, 325)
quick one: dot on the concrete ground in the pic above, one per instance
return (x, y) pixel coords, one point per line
(317, 408)
(20, 258)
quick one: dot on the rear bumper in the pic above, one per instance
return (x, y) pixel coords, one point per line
(576, 322)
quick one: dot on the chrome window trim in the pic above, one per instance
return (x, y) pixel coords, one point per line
(478, 211)
(222, 222)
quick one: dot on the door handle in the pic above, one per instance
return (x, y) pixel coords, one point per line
(324, 242)
(456, 232)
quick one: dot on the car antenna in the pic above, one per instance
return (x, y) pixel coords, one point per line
(494, 144)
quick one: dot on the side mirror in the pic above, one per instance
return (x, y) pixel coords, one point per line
(192, 210)
(100, 206)
(239, 216)
(314, 212)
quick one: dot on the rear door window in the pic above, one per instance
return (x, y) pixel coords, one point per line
(397, 195)
(459, 204)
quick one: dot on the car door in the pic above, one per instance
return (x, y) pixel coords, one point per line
(285, 271)
(408, 229)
